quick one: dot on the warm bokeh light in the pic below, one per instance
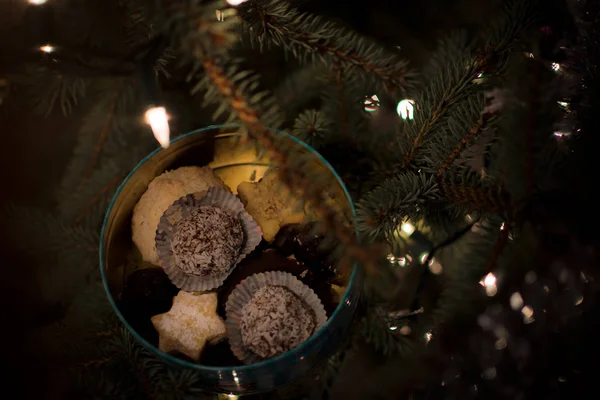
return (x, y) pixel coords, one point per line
(489, 283)
(555, 66)
(371, 103)
(407, 229)
(37, 2)
(47, 48)
(158, 120)
(406, 109)
(235, 2)
(516, 301)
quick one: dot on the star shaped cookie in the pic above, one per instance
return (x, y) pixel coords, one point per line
(191, 322)
(271, 204)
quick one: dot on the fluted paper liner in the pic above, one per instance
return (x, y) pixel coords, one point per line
(242, 294)
(183, 207)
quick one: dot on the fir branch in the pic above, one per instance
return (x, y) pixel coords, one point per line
(312, 127)
(49, 90)
(105, 129)
(489, 199)
(479, 126)
(301, 34)
(380, 212)
(107, 188)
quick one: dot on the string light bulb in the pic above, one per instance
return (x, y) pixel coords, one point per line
(158, 120)
(47, 48)
(407, 229)
(406, 109)
(37, 2)
(371, 103)
(489, 283)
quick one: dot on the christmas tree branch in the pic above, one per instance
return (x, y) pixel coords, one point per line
(104, 130)
(475, 131)
(96, 198)
(275, 22)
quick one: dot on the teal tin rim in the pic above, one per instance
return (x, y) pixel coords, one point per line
(290, 355)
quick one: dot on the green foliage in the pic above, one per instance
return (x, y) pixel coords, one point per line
(312, 127)
(383, 209)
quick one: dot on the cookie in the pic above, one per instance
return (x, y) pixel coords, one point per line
(190, 324)
(271, 204)
(161, 193)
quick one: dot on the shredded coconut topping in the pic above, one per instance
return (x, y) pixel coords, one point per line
(275, 321)
(207, 242)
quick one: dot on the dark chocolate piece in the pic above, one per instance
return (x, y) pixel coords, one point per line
(207, 242)
(147, 292)
(275, 321)
(307, 246)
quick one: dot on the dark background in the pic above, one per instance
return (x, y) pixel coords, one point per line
(35, 151)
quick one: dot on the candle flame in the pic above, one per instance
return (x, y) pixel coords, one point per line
(158, 120)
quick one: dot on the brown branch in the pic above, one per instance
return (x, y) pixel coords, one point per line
(493, 200)
(340, 89)
(97, 362)
(475, 131)
(498, 247)
(291, 174)
(106, 128)
(109, 185)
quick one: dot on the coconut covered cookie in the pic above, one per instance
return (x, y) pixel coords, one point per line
(161, 193)
(271, 204)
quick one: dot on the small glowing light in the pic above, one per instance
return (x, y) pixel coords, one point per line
(480, 75)
(219, 15)
(423, 257)
(407, 228)
(468, 218)
(489, 283)
(158, 120)
(579, 301)
(527, 314)
(37, 2)
(47, 48)
(530, 277)
(500, 344)
(555, 66)
(235, 2)
(405, 330)
(502, 227)
(391, 258)
(516, 301)
(489, 373)
(435, 267)
(563, 104)
(561, 134)
(406, 109)
(402, 261)
(393, 328)
(489, 280)
(232, 396)
(530, 55)
(371, 103)
(428, 337)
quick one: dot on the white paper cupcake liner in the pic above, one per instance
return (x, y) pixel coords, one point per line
(180, 209)
(242, 294)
